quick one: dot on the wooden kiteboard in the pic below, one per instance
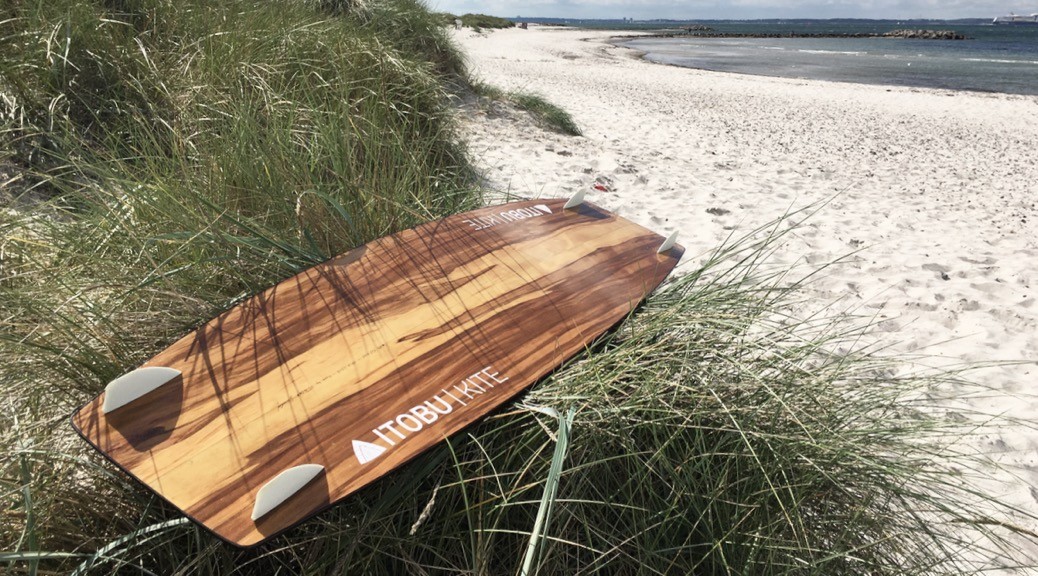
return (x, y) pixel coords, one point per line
(320, 385)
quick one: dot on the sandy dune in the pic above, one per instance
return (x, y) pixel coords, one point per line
(932, 196)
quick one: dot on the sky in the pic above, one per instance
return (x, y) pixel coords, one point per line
(738, 9)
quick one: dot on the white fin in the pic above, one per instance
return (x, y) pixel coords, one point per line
(668, 243)
(282, 486)
(133, 385)
(575, 200)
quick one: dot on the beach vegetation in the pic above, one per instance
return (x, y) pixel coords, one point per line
(161, 162)
(477, 21)
(549, 114)
(174, 158)
(543, 112)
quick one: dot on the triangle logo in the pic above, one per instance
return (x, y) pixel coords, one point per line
(366, 451)
(543, 208)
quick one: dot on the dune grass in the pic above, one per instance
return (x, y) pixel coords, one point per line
(194, 153)
(190, 154)
(477, 22)
(548, 115)
(551, 115)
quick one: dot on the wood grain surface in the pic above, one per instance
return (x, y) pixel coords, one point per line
(396, 345)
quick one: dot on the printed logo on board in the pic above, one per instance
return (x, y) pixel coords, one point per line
(396, 430)
(507, 216)
(366, 451)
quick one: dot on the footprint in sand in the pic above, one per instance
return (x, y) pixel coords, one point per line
(997, 289)
(941, 271)
(967, 305)
(985, 262)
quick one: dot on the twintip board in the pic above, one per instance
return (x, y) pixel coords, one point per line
(324, 383)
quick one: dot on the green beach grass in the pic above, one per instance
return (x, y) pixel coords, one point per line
(543, 112)
(478, 22)
(174, 158)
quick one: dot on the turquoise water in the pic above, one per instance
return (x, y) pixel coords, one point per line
(996, 59)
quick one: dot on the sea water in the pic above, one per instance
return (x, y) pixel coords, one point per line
(994, 59)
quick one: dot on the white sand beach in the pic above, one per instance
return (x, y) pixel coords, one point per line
(929, 196)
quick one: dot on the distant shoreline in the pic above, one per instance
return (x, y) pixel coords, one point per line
(998, 62)
(910, 34)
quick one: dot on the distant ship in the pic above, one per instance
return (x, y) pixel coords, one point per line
(1014, 19)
